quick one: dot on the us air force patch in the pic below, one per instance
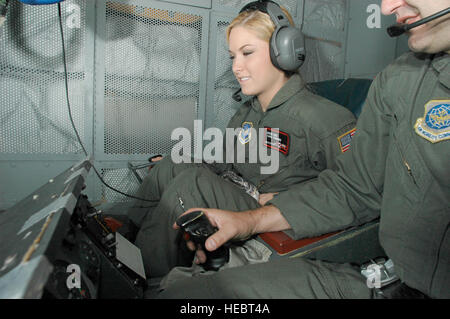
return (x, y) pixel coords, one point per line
(434, 126)
(345, 139)
(246, 132)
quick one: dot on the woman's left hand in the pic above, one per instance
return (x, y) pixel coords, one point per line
(264, 198)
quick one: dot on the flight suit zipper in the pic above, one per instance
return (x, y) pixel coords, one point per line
(264, 181)
(409, 170)
(405, 163)
(261, 183)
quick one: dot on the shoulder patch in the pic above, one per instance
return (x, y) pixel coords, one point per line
(434, 126)
(345, 139)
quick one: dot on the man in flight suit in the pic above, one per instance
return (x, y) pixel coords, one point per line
(398, 164)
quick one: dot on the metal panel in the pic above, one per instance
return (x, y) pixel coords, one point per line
(37, 140)
(195, 3)
(33, 117)
(369, 50)
(120, 177)
(235, 5)
(325, 29)
(27, 280)
(19, 178)
(153, 59)
(151, 68)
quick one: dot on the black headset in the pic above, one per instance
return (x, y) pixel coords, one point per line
(287, 43)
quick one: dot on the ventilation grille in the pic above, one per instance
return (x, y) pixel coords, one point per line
(152, 76)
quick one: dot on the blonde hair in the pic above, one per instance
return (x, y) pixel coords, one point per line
(257, 21)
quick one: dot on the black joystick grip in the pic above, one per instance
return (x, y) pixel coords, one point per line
(197, 225)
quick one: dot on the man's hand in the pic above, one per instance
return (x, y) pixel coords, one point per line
(237, 226)
(231, 225)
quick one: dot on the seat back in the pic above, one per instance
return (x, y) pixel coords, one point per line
(350, 93)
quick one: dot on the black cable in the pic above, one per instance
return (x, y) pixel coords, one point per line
(71, 118)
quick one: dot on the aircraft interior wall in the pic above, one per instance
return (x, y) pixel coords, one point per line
(137, 70)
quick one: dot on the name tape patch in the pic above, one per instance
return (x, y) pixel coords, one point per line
(276, 139)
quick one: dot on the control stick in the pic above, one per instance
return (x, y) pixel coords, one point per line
(197, 225)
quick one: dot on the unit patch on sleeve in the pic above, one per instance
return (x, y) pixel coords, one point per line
(276, 139)
(345, 139)
(434, 126)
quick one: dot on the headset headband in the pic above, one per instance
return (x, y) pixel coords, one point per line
(269, 7)
(256, 5)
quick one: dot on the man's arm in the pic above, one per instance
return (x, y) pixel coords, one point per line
(241, 225)
(349, 194)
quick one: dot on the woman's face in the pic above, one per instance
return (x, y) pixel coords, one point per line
(252, 66)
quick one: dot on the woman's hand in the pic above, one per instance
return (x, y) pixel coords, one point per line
(264, 198)
(154, 159)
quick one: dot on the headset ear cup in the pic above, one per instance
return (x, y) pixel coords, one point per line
(289, 43)
(273, 50)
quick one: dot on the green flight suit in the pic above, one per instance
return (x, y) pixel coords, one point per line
(399, 165)
(310, 135)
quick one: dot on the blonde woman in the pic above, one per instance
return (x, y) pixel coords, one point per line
(303, 129)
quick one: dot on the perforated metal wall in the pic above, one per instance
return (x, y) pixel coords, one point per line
(326, 46)
(123, 179)
(291, 5)
(225, 83)
(152, 72)
(33, 113)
